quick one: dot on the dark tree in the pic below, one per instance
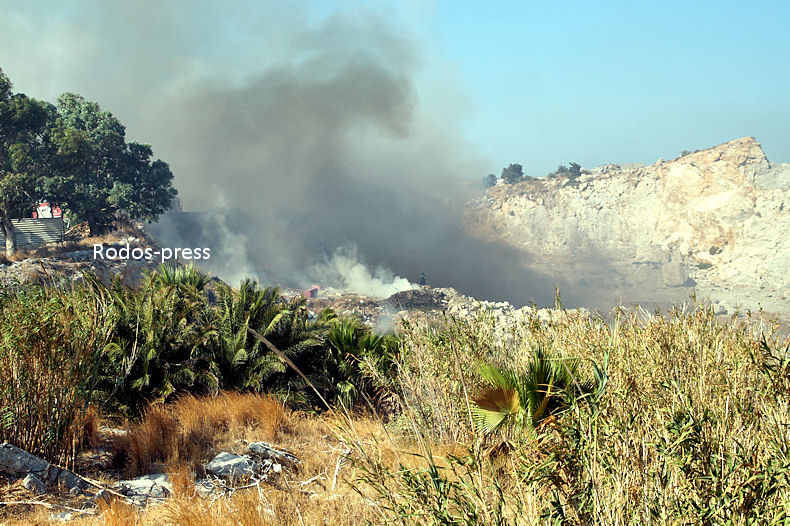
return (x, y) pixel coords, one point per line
(78, 154)
(512, 173)
(97, 173)
(571, 172)
(24, 126)
(489, 181)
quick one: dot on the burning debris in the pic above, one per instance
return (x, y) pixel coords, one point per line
(423, 298)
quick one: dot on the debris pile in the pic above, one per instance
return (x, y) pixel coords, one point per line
(423, 298)
(261, 462)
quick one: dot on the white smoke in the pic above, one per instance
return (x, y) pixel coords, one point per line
(345, 270)
(232, 256)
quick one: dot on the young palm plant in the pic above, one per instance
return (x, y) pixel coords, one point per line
(242, 361)
(358, 360)
(171, 274)
(302, 340)
(517, 400)
(160, 343)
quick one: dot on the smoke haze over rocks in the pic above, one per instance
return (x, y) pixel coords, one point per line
(313, 142)
(330, 150)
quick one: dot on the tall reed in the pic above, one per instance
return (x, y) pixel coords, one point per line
(51, 339)
(691, 428)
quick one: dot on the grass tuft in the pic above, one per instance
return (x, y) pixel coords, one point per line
(186, 431)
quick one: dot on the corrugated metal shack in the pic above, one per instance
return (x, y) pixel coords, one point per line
(34, 232)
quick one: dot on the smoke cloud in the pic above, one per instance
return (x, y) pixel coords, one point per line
(331, 169)
(307, 151)
(345, 268)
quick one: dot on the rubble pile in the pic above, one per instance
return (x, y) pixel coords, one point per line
(57, 263)
(260, 462)
(424, 298)
(429, 306)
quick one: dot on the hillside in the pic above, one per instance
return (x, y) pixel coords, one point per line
(712, 222)
(172, 414)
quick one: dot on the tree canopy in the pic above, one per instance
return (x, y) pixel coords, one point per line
(24, 125)
(512, 173)
(572, 171)
(76, 153)
(489, 180)
(98, 172)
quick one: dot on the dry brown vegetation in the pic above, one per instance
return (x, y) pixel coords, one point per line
(316, 494)
(189, 430)
(690, 429)
(75, 242)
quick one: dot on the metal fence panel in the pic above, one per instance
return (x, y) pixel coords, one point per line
(34, 232)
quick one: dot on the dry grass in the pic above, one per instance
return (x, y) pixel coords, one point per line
(189, 430)
(266, 507)
(306, 496)
(87, 427)
(79, 242)
(115, 512)
(690, 430)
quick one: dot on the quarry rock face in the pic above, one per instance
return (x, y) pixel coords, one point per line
(714, 221)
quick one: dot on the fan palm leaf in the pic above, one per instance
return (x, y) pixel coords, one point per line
(514, 399)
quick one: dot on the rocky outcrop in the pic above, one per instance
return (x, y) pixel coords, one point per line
(156, 485)
(73, 266)
(229, 466)
(262, 461)
(37, 472)
(716, 220)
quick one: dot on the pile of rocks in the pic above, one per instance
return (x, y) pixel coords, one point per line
(36, 472)
(423, 298)
(260, 462)
(429, 306)
(73, 266)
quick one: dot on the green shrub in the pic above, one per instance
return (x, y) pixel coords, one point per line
(358, 361)
(512, 174)
(160, 341)
(691, 429)
(51, 343)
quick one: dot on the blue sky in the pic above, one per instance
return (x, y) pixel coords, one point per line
(619, 81)
(537, 83)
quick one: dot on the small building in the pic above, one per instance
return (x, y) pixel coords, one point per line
(34, 232)
(312, 292)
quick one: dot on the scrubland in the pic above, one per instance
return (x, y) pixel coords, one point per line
(674, 417)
